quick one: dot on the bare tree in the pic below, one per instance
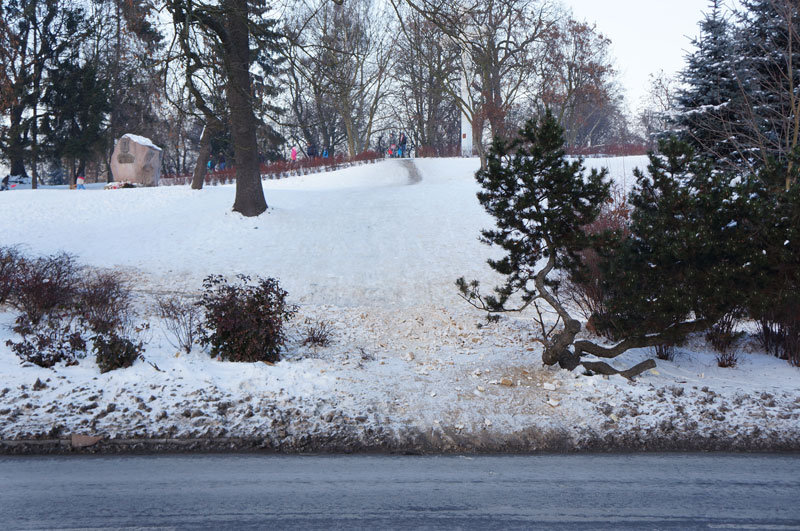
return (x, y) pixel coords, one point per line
(424, 73)
(502, 41)
(578, 82)
(659, 103)
(340, 60)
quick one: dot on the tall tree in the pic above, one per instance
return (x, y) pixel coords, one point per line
(424, 73)
(502, 45)
(706, 114)
(127, 46)
(768, 54)
(33, 34)
(229, 27)
(578, 83)
(656, 108)
(77, 101)
(343, 56)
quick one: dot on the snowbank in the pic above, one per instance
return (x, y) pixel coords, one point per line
(410, 367)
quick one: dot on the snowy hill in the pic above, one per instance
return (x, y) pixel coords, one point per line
(374, 251)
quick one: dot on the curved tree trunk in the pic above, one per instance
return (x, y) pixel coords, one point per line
(651, 340)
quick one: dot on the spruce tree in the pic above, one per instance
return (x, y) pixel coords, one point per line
(768, 55)
(706, 109)
(772, 216)
(78, 103)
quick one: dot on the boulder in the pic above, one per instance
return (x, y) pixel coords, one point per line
(136, 160)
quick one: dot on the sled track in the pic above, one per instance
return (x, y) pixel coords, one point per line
(414, 176)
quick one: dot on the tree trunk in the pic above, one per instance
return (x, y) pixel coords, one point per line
(16, 144)
(17, 164)
(249, 192)
(203, 156)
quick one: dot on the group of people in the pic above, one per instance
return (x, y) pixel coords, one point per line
(217, 163)
(311, 152)
(398, 147)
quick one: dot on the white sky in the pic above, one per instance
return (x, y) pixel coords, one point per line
(647, 35)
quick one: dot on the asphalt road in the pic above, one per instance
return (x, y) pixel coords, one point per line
(645, 491)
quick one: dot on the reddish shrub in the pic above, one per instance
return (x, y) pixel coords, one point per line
(10, 259)
(584, 286)
(244, 322)
(44, 285)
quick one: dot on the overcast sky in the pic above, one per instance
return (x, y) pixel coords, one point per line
(646, 35)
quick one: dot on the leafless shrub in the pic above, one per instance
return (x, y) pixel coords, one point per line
(181, 315)
(664, 351)
(104, 301)
(722, 335)
(727, 359)
(779, 333)
(10, 258)
(44, 285)
(318, 334)
(584, 287)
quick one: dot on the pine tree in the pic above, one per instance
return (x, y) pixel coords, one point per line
(540, 201)
(681, 268)
(706, 110)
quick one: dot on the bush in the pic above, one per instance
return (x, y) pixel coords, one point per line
(727, 359)
(584, 283)
(665, 351)
(113, 351)
(682, 266)
(181, 316)
(779, 334)
(44, 285)
(104, 301)
(244, 322)
(50, 341)
(318, 334)
(722, 335)
(9, 265)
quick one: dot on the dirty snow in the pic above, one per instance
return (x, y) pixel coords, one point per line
(375, 255)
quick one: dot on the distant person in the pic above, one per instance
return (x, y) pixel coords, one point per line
(294, 154)
(4, 183)
(80, 182)
(379, 147)
(403, 142)
(325, 153)
(311, 151)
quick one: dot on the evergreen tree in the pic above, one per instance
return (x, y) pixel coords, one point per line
(706, 109)
(772, 216)
(77, 101)
(768, 55)
(540, 200)
(681, 267)
(223, 32)
(33, 35)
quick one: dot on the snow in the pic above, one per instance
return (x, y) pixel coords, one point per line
(375, 255)
(142, 140)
